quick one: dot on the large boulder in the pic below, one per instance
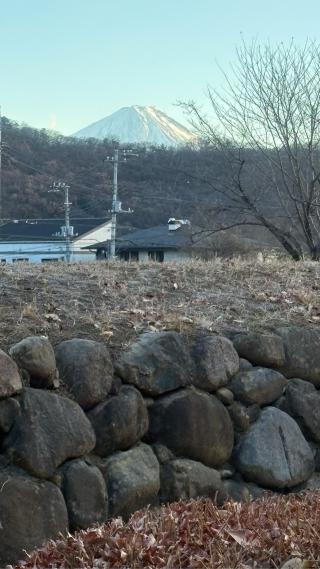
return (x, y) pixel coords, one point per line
(259, 385)
(302, 349)
(225, 395)
(193, 424)
(36, 356)
(158, 362)
(242, 416)
(244, 365)
(84, 490)
(119, 422)
(10, 380)
(86, 368)
(302, 402)
(241, 491)
(163, 453)
(9, 411)
(49, 430)
(132, 479)
(265, 350)
(31, 513)
(313, 484)
(216, 362)
(182, 479)
(274, 452)
(316, 455)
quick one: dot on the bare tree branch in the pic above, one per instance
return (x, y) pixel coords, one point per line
(266, 121)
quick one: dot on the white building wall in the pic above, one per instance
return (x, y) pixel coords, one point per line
(32, 252)
(174, 256)
(98, 235)
(37, 252)
(169, 256)
(143, 256)
(41, 252)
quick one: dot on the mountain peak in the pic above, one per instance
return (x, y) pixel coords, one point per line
(138, 124)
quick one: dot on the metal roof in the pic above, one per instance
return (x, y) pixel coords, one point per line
(156, 237)
(48, 230)
(153, 238)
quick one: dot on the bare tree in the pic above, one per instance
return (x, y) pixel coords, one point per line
(267, 123)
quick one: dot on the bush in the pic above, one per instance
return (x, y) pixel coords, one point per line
(196, 535)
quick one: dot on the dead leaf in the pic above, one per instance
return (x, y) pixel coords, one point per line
(297, 563)
(240, 536)
(29, 312)
(107, 333)
(51, 317)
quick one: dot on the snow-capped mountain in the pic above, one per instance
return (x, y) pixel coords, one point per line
(139, 124)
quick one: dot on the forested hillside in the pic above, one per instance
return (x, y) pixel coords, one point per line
(157, 183)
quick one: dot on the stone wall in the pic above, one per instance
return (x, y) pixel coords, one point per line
(84, 438)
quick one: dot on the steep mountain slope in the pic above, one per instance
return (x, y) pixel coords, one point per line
(139, 125)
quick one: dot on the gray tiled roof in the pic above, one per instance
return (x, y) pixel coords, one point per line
(156, 237)
(153, 238)
(39, 230)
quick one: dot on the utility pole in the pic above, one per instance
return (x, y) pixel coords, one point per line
(67, 205)
(116, 204)
(68, 229)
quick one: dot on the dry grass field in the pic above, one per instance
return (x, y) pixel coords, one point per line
(113, 302)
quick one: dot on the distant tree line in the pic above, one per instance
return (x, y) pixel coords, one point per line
(159, 183)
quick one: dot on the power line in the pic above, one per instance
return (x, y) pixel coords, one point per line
(48, 243)
(115, 179)
(79, 184)
(29, 166)
(34, 220)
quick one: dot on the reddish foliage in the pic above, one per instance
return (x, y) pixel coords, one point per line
(196, 535)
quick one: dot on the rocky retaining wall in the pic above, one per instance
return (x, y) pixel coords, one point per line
(171, 418)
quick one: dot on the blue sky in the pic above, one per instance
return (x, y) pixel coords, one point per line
(67, 63)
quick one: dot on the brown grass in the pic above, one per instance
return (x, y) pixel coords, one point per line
(196, 535)
(113, 302)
